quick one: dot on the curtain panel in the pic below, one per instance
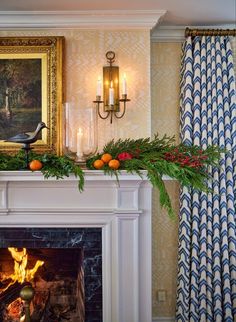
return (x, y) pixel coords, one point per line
(206, 289)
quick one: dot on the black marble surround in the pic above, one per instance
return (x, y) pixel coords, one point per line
(89, 239)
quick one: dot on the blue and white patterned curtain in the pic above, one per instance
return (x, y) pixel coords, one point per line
(206, 289)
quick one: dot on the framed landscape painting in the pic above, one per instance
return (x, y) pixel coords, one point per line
(31, 91)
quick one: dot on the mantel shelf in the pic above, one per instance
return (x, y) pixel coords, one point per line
(90, 175)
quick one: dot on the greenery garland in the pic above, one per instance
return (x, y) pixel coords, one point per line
(159, 157)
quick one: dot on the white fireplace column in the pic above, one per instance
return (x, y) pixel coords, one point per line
(123, 211)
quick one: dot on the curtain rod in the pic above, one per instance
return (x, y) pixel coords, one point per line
(209, 32)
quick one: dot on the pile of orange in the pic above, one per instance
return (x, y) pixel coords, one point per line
(106, 158)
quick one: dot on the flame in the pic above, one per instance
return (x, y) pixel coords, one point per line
(21, 273)
(15, 309)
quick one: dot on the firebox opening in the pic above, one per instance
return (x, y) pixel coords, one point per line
(57, 278)
(60, 248)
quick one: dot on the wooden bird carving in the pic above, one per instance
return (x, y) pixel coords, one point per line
(28, 137)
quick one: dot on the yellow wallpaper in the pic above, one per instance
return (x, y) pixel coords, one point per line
(165, 65)
(84, 58)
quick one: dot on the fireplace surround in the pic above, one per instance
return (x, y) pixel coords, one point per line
(122, 210)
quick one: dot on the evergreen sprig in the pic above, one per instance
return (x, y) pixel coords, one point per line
(53, 165)
(12, 163)
(162, 157)
(138, 146)
(60, 167)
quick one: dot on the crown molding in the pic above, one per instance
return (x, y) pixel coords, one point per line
(177, 33)
(168, 33)
(99, 19)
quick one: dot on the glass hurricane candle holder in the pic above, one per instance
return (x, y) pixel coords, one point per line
(86, 134)
(69, 121)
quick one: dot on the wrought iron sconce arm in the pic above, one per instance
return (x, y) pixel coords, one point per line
(98, 103)
(124, 100)
(111, 112)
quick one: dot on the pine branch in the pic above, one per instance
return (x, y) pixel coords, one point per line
(53, 166)
(134, 166)
(161, 156)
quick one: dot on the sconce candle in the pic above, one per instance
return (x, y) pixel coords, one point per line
(80, 143)
(111, 94)
(124, 85)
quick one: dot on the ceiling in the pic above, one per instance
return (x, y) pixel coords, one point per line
(179, 12)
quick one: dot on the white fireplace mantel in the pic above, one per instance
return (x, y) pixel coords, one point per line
(122, 210)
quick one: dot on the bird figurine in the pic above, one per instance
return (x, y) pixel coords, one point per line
(27, 138)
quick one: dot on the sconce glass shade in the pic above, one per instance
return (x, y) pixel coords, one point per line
(111, 80)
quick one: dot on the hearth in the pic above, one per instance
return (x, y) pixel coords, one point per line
(64, 266)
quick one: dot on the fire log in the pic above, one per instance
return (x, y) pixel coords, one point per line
(11, 294)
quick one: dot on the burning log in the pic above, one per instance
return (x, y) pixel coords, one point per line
(12, 293)
(10, 296)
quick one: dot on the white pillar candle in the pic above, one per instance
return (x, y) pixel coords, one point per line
(79, 143)
(99, 87)
(111, 95)
(124, 85)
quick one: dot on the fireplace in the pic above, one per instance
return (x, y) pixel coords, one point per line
(68, 282)
(115, 267)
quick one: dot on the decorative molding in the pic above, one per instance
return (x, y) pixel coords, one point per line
(163, 319)
(99, 19)
(168, 34)
(177, 33)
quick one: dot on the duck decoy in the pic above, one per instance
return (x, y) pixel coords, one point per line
(27, 138)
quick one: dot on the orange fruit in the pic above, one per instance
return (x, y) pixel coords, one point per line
(106, 157)
(114, 164)
(35, 165)
(98, 164)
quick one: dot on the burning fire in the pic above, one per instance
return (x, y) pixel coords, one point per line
(15, 309)
(21, 273)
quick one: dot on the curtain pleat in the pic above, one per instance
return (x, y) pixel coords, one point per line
(206, 289)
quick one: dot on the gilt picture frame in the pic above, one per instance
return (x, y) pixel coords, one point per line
(31, 91)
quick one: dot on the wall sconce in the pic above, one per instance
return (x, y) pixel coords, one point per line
(111, 96)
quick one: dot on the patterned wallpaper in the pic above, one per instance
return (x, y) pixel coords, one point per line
(165, 66)
(84, 58)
